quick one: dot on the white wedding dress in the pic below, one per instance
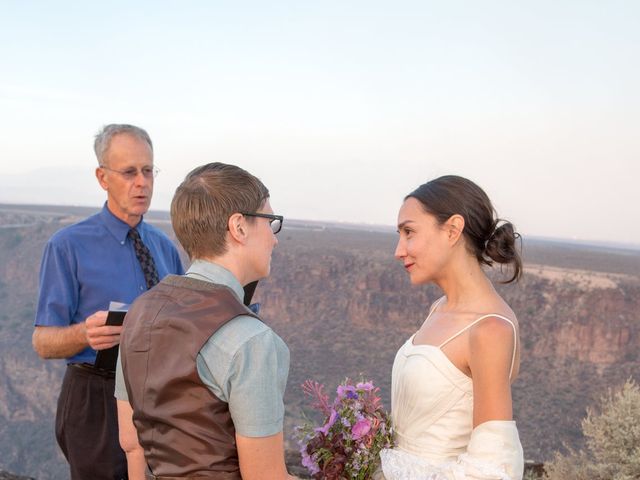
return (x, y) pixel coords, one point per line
(432, 413)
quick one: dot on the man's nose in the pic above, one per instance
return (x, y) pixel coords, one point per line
(142, 179)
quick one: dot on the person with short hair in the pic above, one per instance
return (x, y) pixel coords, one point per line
(201, 378)
(85, 266)
(451, 381)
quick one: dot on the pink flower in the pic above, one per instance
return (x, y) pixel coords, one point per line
(316, 390)
(360, 429)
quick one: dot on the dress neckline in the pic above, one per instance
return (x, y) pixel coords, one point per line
(442, 354)
(439, 347)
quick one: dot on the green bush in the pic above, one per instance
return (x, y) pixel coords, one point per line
(612, 441)
(529, 475)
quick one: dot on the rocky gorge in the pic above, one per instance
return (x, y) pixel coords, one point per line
(344, 306)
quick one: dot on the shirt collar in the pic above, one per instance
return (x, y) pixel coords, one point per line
(214, 273)
(117, 227)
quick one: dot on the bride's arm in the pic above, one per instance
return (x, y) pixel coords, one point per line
(494, 450)
(491, 345)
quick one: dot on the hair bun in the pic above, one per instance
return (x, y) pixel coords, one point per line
(501, 246)
(488, 239)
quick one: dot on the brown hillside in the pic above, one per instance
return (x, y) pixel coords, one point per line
(344, 306)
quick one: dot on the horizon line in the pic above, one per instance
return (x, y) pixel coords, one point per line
(380, 227)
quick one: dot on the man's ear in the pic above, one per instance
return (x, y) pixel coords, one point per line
(454, 227)
(100, 175)
(237, 226)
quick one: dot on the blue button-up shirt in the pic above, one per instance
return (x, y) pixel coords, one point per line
(91, 263)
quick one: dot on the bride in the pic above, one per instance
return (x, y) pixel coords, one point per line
(451, 394)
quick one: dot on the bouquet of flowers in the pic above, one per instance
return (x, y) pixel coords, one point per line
(354, 430)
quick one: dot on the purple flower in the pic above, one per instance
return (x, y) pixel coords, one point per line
(332, 419)
(309, 463)
(348, 391)
(366, 386)
(360, 429)
(348, 442)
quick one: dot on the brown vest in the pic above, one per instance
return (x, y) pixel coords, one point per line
(185, 430)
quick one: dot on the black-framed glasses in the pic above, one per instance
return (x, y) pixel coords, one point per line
(132, 172)
(275, 221)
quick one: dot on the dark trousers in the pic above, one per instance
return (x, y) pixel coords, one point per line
(87, 425)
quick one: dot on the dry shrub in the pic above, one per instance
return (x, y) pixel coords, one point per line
(612, 437)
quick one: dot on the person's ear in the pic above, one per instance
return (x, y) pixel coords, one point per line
(100, 175)
(237, 227)
(454, 227)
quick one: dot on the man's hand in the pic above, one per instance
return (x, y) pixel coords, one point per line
(64, 342)
(99, 335)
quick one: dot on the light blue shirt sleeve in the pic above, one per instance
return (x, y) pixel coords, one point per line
(246, 365)
(121, 390)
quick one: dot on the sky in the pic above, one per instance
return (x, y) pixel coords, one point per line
(340, 107)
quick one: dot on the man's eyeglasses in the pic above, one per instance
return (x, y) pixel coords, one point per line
(132, 172)
(275, 221)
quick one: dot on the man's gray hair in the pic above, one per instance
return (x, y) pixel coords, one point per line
(104, 136)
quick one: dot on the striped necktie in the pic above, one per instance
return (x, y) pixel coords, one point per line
(145, 258)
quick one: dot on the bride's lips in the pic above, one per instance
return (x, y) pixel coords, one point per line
(407, 266)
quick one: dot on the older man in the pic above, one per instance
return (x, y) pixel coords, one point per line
(111, 256)
(204, 375)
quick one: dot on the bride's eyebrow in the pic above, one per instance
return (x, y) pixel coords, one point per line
(403, 224)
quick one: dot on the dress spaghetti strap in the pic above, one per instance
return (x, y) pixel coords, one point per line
(434, 306)
(515, 335)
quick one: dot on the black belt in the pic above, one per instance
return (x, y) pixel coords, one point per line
(88, 368)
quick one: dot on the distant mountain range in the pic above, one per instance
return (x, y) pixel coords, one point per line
(344, 306)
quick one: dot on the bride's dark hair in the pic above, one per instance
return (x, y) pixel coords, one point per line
(489, 238)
